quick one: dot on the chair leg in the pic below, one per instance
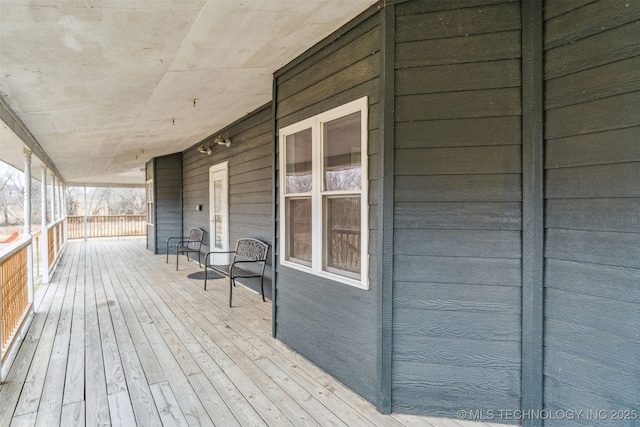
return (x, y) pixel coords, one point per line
(177, 256)
(232, 283)
(205, 277)
(262, 288)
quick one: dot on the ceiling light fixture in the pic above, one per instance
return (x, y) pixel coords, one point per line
(219, 140)
(222, 141)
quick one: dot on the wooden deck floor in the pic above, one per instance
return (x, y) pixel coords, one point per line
(120, 338)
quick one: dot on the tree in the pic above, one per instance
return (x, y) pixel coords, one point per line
(12, 198)
(11, 195)
(106, 201)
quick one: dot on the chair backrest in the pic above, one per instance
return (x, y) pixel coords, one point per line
(195, 238)
(253, 249)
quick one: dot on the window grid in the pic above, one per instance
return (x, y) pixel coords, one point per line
(150, 210)
(338, 243)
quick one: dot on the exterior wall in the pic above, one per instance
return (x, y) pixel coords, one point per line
(250, 181)
(592, 276)
(151, 230)
(168, 199)
(457, 247)
(447, 329)
(334, 324)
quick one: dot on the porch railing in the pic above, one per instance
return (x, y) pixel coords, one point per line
(56, 238)
(107, 225)
(14, 292)
(22, 264)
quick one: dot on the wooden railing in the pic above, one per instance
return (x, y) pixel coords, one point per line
(56, 240)
(14, 292)
(22, 263)
(107, 226)
(51, 247)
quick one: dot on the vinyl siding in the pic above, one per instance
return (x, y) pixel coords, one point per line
(168, 200)
(592, 252)
(250, 181)
(330, 323)
(457, 207)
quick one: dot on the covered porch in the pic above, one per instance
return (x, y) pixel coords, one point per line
(121, 338)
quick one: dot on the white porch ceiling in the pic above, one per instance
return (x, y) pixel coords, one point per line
(105, 85)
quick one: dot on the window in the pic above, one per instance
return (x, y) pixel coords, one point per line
(149, 193)
(323, 197)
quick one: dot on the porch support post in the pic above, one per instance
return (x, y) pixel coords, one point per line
(54, 213)
(54, 197)
(275, 207)
(44, 236)
(64, 213)
(58, 205)
(385, 211)
(54, 217)
(532, 211)
(27, 220)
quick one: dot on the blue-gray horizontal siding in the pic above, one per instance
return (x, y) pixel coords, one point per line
(250, 182)
(333, 324)
(592, 251)
(168, 199)
(458, 220)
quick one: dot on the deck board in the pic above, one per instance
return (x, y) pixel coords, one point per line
(72, 414)
(120, 338)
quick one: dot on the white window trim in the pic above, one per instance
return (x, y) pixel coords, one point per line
(150, 201)
(315, 123)
(224, 168)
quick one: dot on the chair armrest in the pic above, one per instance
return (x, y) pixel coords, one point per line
(174, 238)
(260, 262)
(179, 237)
(216, 252)
(249, 261)
(257, 261)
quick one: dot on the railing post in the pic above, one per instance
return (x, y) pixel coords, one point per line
(44, 236)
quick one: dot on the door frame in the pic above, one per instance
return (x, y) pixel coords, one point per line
(217, 171)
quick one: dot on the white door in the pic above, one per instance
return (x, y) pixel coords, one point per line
(219, 211)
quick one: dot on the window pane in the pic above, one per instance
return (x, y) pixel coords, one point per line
(299, 229)
(298, 158)
(217, 214)
(342, 233)
(342, 148)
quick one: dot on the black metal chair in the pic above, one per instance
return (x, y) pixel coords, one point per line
(186, 245)
(251, 253)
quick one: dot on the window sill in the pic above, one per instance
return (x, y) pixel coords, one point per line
(356, 283)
